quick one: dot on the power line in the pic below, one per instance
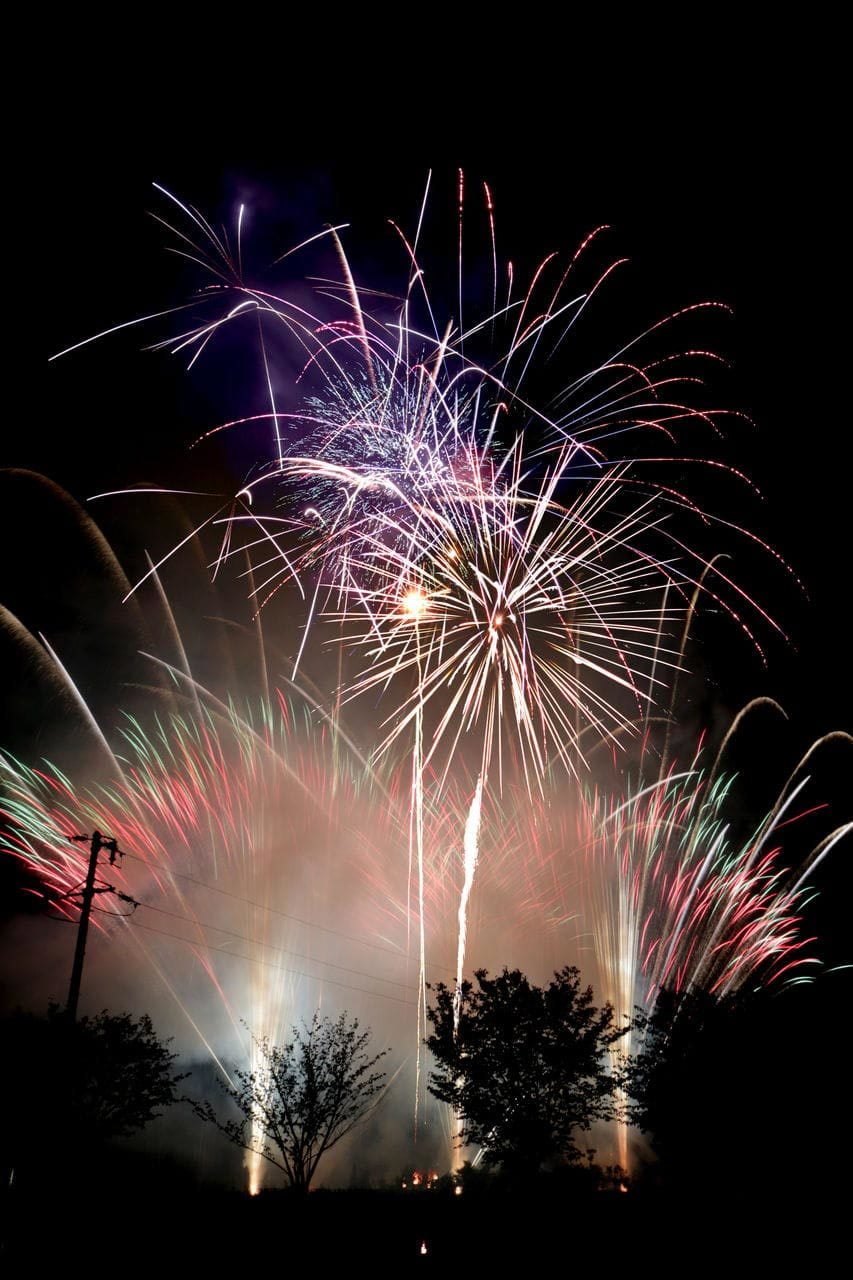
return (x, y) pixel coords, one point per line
(360, 973)
(270, 947)
(267, 964)
(97, 842)
(310, 924)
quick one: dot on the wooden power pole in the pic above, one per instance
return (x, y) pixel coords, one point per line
(97, 843)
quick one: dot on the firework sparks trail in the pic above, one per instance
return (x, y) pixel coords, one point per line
(399, 453)
(679, 904)
(215, 809)
(472, 840)
(671, 898)
(523, 608)
(651, 878)
(505, 598)
(398, 402)
(417, 821)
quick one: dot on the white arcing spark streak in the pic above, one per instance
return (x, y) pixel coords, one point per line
(472, 839)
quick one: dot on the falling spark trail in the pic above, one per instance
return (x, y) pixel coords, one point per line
(417, 816)
(84, 708)
(472, 841)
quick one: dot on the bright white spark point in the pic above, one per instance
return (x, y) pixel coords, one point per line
(415, 603)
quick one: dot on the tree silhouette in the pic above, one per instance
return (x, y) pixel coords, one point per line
(528, 1067)
(721, 1085)
(680, 1066)
(305, 1096)
(70, 1086)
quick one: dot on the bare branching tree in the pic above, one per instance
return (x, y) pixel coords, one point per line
(305, 1096)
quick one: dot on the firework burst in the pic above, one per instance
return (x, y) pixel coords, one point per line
(464, 523)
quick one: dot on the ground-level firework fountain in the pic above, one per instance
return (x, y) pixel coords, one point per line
(281, 880)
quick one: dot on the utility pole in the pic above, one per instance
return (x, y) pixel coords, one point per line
(98, 842)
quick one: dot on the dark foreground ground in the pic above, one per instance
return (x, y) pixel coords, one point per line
(115, 1224)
